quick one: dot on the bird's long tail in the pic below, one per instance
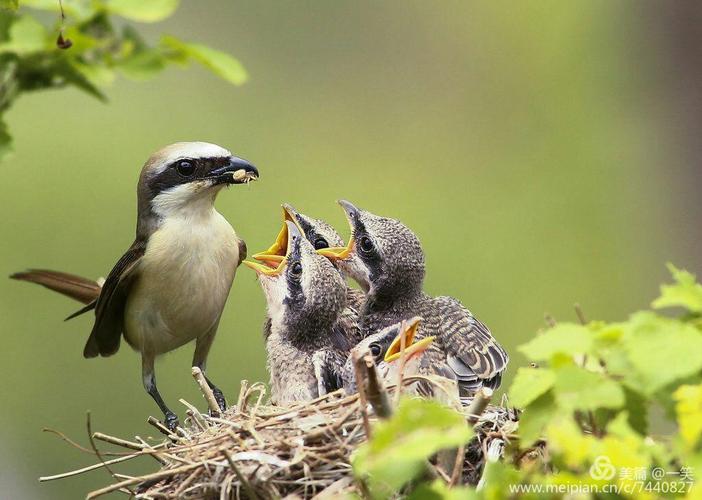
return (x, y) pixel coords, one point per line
(81, 289)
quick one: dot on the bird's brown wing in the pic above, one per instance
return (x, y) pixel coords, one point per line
(242, 252)
(471, 351)
(81, 289)
(109, 309)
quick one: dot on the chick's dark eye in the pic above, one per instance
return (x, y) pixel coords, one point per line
(185, 168)
(375, 349)
(366, 244)
(320, 243)
(296, 269)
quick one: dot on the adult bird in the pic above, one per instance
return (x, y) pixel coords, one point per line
(170, 286)
(306, 344)
(387, 259)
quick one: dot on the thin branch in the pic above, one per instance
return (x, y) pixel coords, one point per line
(88, 468)
(206, 392)
(89, 426)
(477, 406)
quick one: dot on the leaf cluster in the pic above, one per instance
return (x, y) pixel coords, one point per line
(87, 46)
(628, 392)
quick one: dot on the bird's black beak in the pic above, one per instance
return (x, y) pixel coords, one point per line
(235, 171)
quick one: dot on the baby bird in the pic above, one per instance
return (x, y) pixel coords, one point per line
(305, 298)
(386, 349)
(321, 235)
(386, 258)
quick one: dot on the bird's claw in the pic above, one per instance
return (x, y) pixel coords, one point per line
(171, 421)
(219, 397)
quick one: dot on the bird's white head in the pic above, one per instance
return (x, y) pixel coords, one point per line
(186, 176)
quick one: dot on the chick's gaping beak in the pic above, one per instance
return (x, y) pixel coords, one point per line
(235, 171)
(343, 253)
(405, 340)
(276, 252)
(269, 267)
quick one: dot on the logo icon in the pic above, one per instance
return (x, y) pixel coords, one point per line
(602, 469)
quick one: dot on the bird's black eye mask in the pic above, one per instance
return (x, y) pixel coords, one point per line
(367, 250)
(222, 170)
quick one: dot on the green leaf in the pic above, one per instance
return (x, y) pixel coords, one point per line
(580, 389)
(689, 410)
(143, 65)
(9, 4)
(439, 490)
(564, 338)
(529, 384)
(637, 409)
(74, 76)
(686, 292)
(75, 10)
(535, 417)
(149, 11)
(400, 446)
(26, 35)
(567, 441)
(5, 140)
(97, 74)
(220, 63)
(661, 351)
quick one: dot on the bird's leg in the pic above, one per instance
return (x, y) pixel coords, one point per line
(149, 379)
(202, 349)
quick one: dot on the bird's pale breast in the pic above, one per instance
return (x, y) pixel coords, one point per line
(184, 280)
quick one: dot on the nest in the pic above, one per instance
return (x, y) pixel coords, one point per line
(255, 450)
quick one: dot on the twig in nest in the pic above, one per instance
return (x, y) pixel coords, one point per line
(206, 392)
(457, 465)
(243, 395)
(97, 452)
(377, 395)
(118, 441)
(161, 428)
(88, 468)
(358, 364)
(82, 448)
(242, 479)
(477, 406)
(195, 415)
(149, 477)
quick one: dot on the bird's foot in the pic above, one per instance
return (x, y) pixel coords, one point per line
(219, 397)
(170, 420)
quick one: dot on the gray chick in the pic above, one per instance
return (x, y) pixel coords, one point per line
(386, 349)
(305, 298)
(321, 235)
(386, 258)
(318, 232)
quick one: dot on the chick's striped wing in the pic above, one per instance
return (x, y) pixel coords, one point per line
(471, 351)
(328, 366)
(109, 310)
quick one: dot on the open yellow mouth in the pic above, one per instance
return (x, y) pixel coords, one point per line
(341, 253)
(275, 254)
(412, 348)
(338, 253)
(272, 261)
(265, 269)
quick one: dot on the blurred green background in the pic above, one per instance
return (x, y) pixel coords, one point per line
(546, 153)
